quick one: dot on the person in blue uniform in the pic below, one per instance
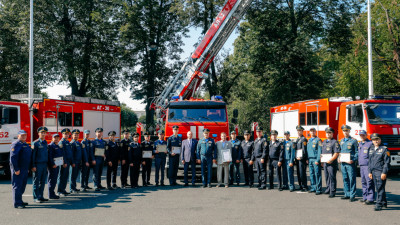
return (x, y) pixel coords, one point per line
(20, 161)
(378, 168)
(68, 161)
(112, 157)
(124, 145)
(87, 146)
(135, 160)
(174, 146)
(331, 148)
(237, 158)
(289, 156)
(80, 159)
(248, 159)
(368, 188)
(55, 152)
(160, 157)
(314, 146)
(275, 153)
(349, 145)
(261, 157)
(99, 146)
(40, 158)
(301, 159)
(147, 145)
(206, 155)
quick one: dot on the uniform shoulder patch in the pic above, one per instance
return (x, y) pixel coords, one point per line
(12, 149)
(388, 153)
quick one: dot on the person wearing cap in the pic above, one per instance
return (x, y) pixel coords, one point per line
(349, 145)
(99, 148)
(378, 168)
(147, 145)
(237, 158)
(87, 146)
(68, 161)
(260, 155)
(40, 158)
(223, 165)
(206, 155)
(80, 159)
(301, 160)
(248, 159)
(174, 143)
(20, 161)
(160, 157)
(135, 160)
(289, 156)
(112, 157)
(368, 187)
(275, 160)
(55, 152)
(314, 148)
(330, 147)
(124, 145)
(188, 158)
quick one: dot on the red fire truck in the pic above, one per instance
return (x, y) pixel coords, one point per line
(378, 114)
(70, 112)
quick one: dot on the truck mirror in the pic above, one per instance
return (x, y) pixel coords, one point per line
(235, 113)
(234, 121)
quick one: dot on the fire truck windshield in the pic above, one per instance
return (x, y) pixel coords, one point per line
(196, 115)
(383, 113)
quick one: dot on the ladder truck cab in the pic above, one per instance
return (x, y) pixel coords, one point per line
(70, 112)
(377, 114)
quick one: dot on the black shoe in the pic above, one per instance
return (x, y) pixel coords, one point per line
(246, 184)
(230, 183)
(326, 193)
(156, 184)
(310, 191)
(89, 188)
(285, 187)
(385, 206)
(344, 198)
(44, 199)
(300, 187)
(162, 184)
(209, 186)
(186, 185)
(25, 203)
(362, 200)
(280, 189)
(378, 208)
(55, 197)
(193, 184)
(102, 188)
(218, 185)
(115, 186)
(204, 186)
(262, 188)
(331, 196)
(238, 184)
(366, 202)
(353, 199)
(20, 207)
(110, 188)
(84, 190)
(148, 183)
(291, 190)
(97, 189)
(317, 193)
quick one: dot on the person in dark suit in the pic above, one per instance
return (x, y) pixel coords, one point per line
(188, 157)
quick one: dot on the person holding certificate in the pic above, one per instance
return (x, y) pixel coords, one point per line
(68, 162)
(99, 146)
(289, 153)
(147, 148)
(275, 160)
(260, 155)
(378, 167)
(174, 147)
(330, 152)
(135, 155)
(206, 154)
(248, 159)
(314, 153)
(188, 157)
(224, 149)
(160, 157)
(348, 157)
(56, 159)
(301, 158)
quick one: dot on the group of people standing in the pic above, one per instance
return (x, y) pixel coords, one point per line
(64, 161)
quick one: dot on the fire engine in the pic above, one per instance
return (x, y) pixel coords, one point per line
(70, 112)
(377, 114)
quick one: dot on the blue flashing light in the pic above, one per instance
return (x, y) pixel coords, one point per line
(385, 97)
(214, 135)
(218, 97)
(174, 97)
(179, 135)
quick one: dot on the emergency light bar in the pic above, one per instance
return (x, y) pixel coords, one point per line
(385, 97)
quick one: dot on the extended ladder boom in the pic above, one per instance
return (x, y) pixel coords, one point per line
(192, 73)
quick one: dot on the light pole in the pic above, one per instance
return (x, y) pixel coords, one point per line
(30, 90)
(370, 71)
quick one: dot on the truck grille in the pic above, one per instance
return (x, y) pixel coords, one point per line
(391, 141)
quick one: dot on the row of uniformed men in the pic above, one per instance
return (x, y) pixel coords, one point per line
(280, 155)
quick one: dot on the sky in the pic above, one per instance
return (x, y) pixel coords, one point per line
(124, 96)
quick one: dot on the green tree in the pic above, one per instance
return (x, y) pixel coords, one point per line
(152, 36)
(128, 117)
